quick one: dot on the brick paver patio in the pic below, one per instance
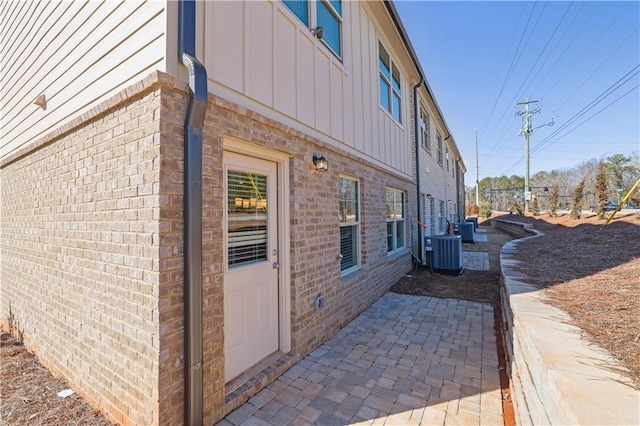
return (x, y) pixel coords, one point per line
(407, 360)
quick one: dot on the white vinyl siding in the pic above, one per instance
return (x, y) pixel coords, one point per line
(76, 54)
(261, 56)
(326, 14)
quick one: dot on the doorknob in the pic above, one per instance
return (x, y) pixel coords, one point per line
(276, 265)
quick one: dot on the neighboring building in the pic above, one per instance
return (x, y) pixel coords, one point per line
(162, 294)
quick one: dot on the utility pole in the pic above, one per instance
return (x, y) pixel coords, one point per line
(527, 130)
(477, 174)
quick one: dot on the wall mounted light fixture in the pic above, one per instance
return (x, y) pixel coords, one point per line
(317, 31)
(321, 163)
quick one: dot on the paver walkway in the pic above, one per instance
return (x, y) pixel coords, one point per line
(405, 360)
(480, 238)
(476, 260)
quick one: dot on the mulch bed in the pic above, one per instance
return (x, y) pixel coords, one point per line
(28, 392)
(592, 272)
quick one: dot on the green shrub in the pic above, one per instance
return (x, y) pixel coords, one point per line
(485, 210)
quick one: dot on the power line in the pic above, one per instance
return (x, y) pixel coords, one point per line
(557, 44)
(588, 49)
(544, 48)
(606, 93)
(509, 71)
(597, 69)
(609, 91)
(542, 147)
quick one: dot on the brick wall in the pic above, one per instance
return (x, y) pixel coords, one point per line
(92, 243)
(314, 230)
(79, 241)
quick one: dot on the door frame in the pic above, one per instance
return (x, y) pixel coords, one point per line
(238, 146)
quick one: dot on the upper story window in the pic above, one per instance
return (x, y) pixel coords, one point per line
(349, 224)
(439, 140)
(447, 159)
(425, 129)
(321, 13)
(395, 219)
(390, 91)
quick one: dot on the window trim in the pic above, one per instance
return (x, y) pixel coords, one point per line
(356, 225)
(425, 129)
(439, 143)
(312, 18)
(389, 82)
(447, 157)
(395, 220)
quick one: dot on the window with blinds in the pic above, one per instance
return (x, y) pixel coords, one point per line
(349, 224)
(247, 233)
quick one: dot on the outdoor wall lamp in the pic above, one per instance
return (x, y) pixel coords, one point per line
(317, 31)
(321, 163)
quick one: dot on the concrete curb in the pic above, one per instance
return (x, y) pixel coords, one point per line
(557, 377)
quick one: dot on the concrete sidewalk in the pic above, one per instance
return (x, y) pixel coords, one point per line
(405, 360)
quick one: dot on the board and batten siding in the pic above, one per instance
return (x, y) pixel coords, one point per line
(77, 54)
(261, 56)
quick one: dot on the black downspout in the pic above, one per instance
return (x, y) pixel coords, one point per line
(461, 209)
(198, 92)
(416, 130)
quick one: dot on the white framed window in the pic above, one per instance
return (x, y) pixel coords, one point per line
(439, 141)
(425, 129)
(326, 14)
(395, 219)
(441, 218)
(432, 215)
(447, 158)
(390, 89)
(349, 224)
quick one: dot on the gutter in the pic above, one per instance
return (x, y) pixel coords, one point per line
(417, 145)
(395, 17)
(198, 95)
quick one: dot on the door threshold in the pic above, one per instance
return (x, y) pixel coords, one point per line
(256, 378)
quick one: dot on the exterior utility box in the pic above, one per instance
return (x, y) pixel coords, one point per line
(465, 229)
(446, 254)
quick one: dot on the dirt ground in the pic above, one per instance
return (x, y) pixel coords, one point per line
(475, 286)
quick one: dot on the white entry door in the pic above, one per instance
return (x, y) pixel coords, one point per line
(251, 277)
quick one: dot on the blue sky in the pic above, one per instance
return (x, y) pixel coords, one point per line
(480, 58)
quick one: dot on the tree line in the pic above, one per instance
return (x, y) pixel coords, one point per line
(590, 183)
